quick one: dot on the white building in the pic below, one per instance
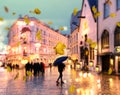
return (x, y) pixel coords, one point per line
(86, 28)
(109, 34)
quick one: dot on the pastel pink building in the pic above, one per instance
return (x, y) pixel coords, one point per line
(29, 37)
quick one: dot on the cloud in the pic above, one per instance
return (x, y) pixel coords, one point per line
(3, 34)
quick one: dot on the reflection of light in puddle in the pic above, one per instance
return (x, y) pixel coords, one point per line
(66, 92)
(98, 81)
(81, 91)
(65, 81)
(80, 74)
(85, 75)
(111, 82)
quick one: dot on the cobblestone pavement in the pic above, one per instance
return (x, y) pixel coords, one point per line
(76, 83)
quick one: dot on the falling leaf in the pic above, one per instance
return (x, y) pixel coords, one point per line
(89, 41)
(112, 15)
(9, 69)
(118, 24)
(18, 43)
(93, 44)
(61, 28)
(59, 48)
(50, 22)
(71, 89)
(97, 14)
(108, 2)
(24, 78)
(94, 9)
(6, 9)
(14, 13)
(75, 11)
(85, 25)
(110, 71)
(37, 11)
(29, 73)
(16, 76)
(38, 35)
(7, 28)
(1, 19)
(26, 20)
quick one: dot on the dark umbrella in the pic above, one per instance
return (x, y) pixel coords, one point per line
(59, 60)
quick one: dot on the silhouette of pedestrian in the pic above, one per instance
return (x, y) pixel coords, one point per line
(61, 67)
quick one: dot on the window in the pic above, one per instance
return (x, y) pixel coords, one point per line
(105, 39)
(117, 36)
(106, 10)
(91, 53)
(118, 4)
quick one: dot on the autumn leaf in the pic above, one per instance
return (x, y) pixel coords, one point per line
(94, 9)
(118, 24)
(37, 11)
(1, 19)
(112, 15)
(38, 35)
(50, 22)
(16, 76)
(7, 28)
(26, 20)
(75, 11)
(24, 78)
(6, 9)
(61, 28)
(71, 89)
(9, 69)
(59, 48)
(14, 13)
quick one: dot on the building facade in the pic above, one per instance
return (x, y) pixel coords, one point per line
(108, 34)
(86, 30)
(33, 39)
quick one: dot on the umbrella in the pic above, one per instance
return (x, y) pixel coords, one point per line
(59, 60)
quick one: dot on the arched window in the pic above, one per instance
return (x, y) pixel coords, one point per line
(105, 39)
(117, 36)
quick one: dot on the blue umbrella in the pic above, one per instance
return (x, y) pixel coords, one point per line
(59, 60)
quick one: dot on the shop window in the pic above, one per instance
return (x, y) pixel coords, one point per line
(117, 36)
(105, 39)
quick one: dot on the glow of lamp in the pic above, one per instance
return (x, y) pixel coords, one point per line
(91, 63)
(111, 61)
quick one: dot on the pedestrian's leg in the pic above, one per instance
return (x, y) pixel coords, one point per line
(61, 75)
(58, 78)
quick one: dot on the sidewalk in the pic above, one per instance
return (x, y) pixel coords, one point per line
(76, 83)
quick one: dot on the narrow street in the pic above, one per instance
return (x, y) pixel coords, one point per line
(76, 83)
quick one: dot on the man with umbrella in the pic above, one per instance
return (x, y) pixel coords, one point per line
(61, 66)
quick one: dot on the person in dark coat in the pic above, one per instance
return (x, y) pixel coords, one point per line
(61, 68)
(27, 67)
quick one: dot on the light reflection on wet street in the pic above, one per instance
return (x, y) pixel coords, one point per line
(76, 83)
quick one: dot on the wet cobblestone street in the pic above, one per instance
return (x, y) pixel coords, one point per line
(76, 83)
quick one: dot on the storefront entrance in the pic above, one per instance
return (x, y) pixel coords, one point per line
(105, 63)
(119, 64)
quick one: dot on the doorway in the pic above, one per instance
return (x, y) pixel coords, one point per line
(105, 63)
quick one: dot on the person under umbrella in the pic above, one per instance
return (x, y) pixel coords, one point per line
(61, 68)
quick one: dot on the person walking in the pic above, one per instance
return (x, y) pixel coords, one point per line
(61, 68)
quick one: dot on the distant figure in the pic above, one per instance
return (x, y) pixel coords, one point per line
(42, 68)
(27, 68)
(50, 66)
(61, 68)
